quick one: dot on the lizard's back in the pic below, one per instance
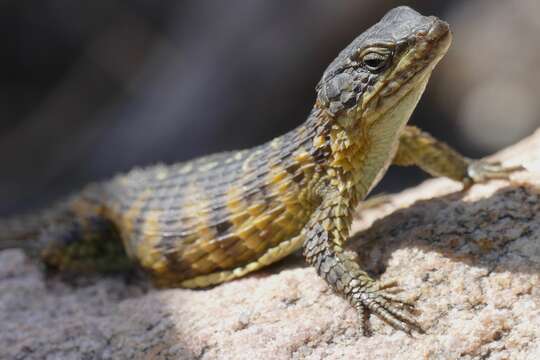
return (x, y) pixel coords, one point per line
(213, 214)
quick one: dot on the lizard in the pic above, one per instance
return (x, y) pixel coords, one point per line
(217, 218)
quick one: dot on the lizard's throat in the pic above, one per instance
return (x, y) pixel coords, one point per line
(365, 152)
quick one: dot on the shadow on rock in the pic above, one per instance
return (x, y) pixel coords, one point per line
(499, 232)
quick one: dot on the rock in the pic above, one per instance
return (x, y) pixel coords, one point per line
(472, 260)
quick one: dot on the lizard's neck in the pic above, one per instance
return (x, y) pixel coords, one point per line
(350, 157)
(359, 151)
(328, 155)
(346, 159)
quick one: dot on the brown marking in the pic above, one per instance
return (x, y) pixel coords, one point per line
(241, 216)
(128, 219)
(204, 254)
(223, 226)
(84, 208)
(148, 252)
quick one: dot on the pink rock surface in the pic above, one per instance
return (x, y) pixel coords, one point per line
(471, 259)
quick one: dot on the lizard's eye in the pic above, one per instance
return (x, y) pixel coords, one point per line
(376, 61)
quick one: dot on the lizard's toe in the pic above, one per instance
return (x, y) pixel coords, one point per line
(481, 171)
(392, 309)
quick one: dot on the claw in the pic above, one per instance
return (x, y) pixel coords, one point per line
(399, 300)
(363, 315)
(391, 308)
(393, 316)
(387, 285)
(481, 171)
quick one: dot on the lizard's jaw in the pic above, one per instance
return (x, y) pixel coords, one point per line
(374, 130)
(410, 73)
(381, 131)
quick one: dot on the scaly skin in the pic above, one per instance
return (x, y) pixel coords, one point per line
(220, 217)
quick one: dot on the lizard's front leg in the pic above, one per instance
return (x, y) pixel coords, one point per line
(325, 235)
(438, 159)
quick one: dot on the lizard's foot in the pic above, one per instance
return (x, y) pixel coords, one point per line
(380, 299)
(481, 171)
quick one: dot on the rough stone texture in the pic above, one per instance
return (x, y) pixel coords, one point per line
(471, 258)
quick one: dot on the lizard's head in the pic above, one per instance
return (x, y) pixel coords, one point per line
(381, 68)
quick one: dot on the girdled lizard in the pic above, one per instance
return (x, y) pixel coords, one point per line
(220, 217)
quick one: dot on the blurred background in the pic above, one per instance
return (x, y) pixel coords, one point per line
(93, 88)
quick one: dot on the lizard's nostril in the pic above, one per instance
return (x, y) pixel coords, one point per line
(438, 30)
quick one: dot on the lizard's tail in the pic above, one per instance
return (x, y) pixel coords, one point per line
(23, 231)
(72, 236)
